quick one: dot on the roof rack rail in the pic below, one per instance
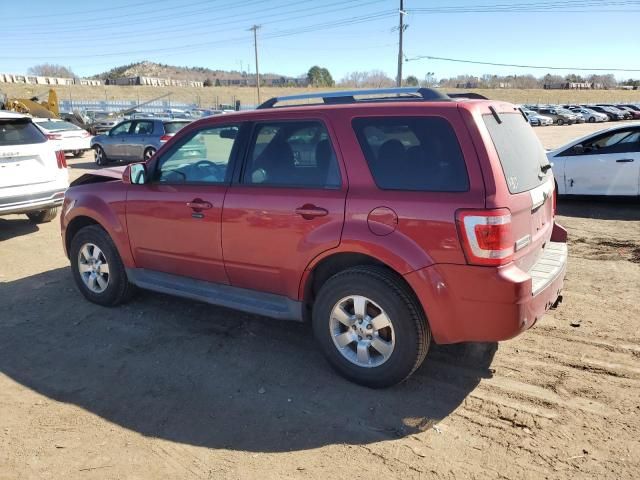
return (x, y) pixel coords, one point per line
(348, 96)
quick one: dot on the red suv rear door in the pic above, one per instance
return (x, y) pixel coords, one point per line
(174, 219)
(285, 207)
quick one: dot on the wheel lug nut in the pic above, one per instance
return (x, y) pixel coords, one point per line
(369, 327)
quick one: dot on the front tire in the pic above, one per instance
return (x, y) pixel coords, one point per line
(98, 269)
(148, 153)
(77, 153)
(101, 157)
(43, 216)
(560, 122)
(370, 327)
(592, 119)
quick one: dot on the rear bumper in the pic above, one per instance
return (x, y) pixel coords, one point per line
(31, 202)
(470, 303)
(73, 144)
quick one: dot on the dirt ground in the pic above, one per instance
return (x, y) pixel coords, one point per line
(168, 388)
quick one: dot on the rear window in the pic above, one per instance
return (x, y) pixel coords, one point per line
(19, 132)
(520, 152)
(412, 153)
(58, 126)
(173, 127)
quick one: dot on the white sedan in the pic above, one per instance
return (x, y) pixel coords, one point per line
(602, 163)
(68, 137)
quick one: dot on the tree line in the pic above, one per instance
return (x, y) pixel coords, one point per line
(321, 77)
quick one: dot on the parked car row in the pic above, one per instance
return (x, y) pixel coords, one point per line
(569, 114)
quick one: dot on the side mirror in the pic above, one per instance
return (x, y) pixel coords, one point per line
(135, 174)
(578, 149)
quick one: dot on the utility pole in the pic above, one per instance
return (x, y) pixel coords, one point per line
(400, 53)
(255, 46)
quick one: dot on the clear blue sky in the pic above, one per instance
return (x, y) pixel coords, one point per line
(343, 36)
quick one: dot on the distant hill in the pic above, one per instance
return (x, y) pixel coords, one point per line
(160, 70)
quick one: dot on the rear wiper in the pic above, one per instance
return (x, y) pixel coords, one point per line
(546, 167)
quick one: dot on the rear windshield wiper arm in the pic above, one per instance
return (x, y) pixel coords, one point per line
(546, 167)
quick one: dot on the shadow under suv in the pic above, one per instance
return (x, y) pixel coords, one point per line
(389, 219)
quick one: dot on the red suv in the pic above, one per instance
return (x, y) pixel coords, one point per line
(388, 218)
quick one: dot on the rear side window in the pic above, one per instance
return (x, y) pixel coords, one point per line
(19, 132)
(521, 154)
(412, 153)
(292, 154)
(173, 127)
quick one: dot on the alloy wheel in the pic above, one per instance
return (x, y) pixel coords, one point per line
(362, 331)
(93, 267)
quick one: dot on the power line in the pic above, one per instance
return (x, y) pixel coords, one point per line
(242, 18)
(226, 41)
(541, 67)
(100, 10)
(544, 6)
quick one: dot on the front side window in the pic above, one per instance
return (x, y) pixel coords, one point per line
(121, 129)
(202, 157)
(619, 142)
(143, 128)
(413, 153)
(292, 154)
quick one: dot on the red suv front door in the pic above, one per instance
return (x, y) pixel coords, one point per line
(174, 219)
(286, 208)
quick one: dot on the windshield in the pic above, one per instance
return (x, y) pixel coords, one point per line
(521, 154)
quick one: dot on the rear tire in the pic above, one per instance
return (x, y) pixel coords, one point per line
(77, 153)
(382, 341)
(101, 157)
(43, 216)
(90, 252)
(148, 153)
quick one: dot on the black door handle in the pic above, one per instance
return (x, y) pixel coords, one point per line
(625, 160)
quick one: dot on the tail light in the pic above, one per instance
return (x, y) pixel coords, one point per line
(487, 237)
(554, 205)
(85, 134)
(54, 136)
(61, 159)
(165, 138)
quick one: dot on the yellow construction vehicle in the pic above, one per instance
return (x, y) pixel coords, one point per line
(33, 106)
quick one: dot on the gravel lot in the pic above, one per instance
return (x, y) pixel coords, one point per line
(168, 388)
